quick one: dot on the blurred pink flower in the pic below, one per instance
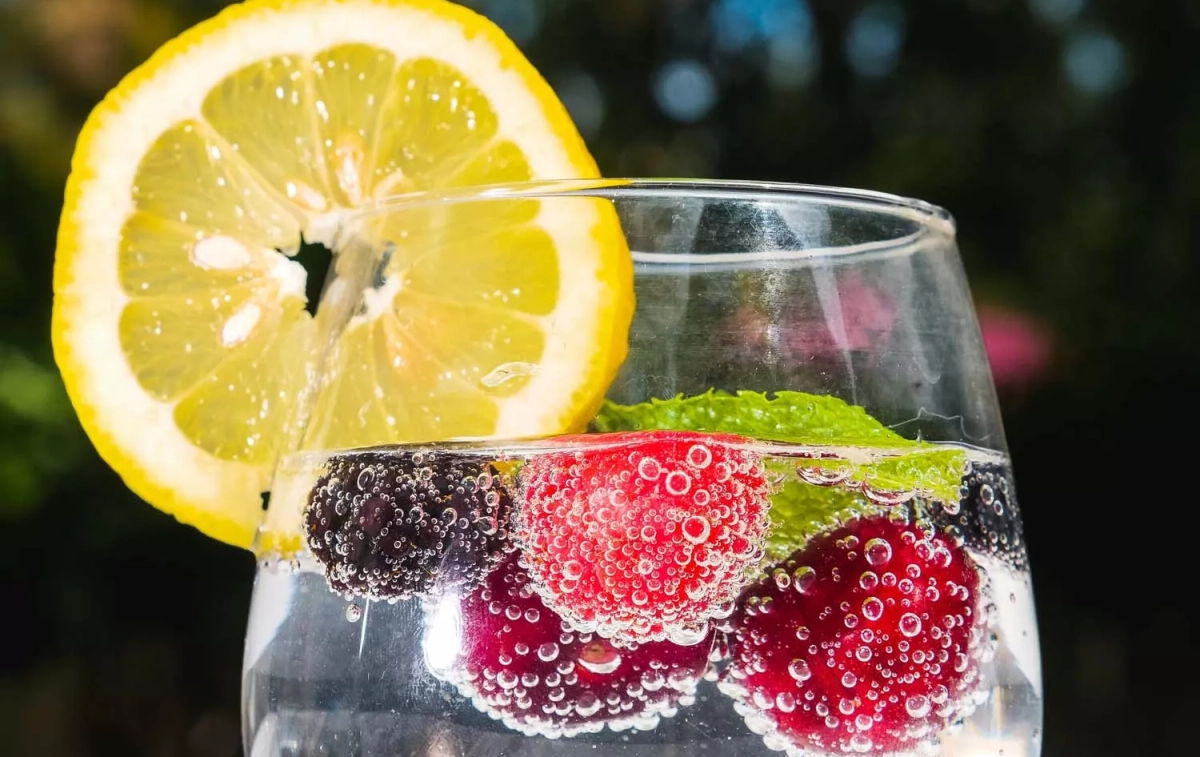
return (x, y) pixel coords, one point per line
(1018, 346)
(859, 318)
(862, 320)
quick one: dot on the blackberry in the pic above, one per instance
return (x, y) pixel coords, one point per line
(396, 524)
(988, 517)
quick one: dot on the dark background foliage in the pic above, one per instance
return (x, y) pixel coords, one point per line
(1063, 134)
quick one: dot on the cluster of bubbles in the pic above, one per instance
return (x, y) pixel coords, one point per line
(881, 647)
(841, 473)
(644, 542)
(394, 525)
(617, 589)
(988, 520)
(522, 664)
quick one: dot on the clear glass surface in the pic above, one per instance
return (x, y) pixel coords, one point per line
(902, 624)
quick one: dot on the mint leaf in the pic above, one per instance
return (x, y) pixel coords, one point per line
(800, 511)
(794, 417)
(855, 448)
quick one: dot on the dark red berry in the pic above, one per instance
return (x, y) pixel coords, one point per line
(523, 665)
(644, 535)
(393, 524)
(867, 639)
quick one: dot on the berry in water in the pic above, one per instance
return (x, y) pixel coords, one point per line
(987, 519)
(866, 640)
(646, 537)
(393, 524)
(521, 664)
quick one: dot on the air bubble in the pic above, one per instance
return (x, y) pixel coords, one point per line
(547, 652)
(863, 654)
(353, 613)
(939, 694)
(365, 479)
(818, 475)
(588, 704)
(723, 472)
(849, 680)
(868, 581)
(678, 483)
(872, 608)
(878, 552)
(917, 706)
(987, 494)
(799, 670)
(960, 662)
(762, 700)
(507, 679)
(600, 660)
(699, 456)
(649, 469)
(696, 528)
(910, 624)
(803, 578)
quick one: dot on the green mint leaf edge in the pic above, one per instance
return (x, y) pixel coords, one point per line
(862, 452)
(800, 511)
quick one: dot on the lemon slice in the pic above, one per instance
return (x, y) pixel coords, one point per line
(180, 323)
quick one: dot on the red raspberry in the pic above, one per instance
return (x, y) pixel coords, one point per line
(521, 664)
(867, 639)
(644, 535)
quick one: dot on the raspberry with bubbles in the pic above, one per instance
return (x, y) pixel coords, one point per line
(643, 535)
(869, 638)
(521, 664)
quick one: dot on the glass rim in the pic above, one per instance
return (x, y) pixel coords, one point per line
(927, 215)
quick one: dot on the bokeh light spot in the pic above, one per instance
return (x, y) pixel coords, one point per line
(875, 38)
(1056, 11)
(520, 19)
(738, 24)
(792, 61)
(685, 90)
(1094, 62)
(584, 100)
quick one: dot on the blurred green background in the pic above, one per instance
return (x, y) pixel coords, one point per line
(1063, 134)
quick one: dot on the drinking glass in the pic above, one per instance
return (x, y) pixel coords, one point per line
(837, 533)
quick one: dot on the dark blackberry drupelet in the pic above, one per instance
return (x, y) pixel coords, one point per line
(395, 524)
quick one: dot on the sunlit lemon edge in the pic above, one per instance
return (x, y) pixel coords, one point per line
(133, 433)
